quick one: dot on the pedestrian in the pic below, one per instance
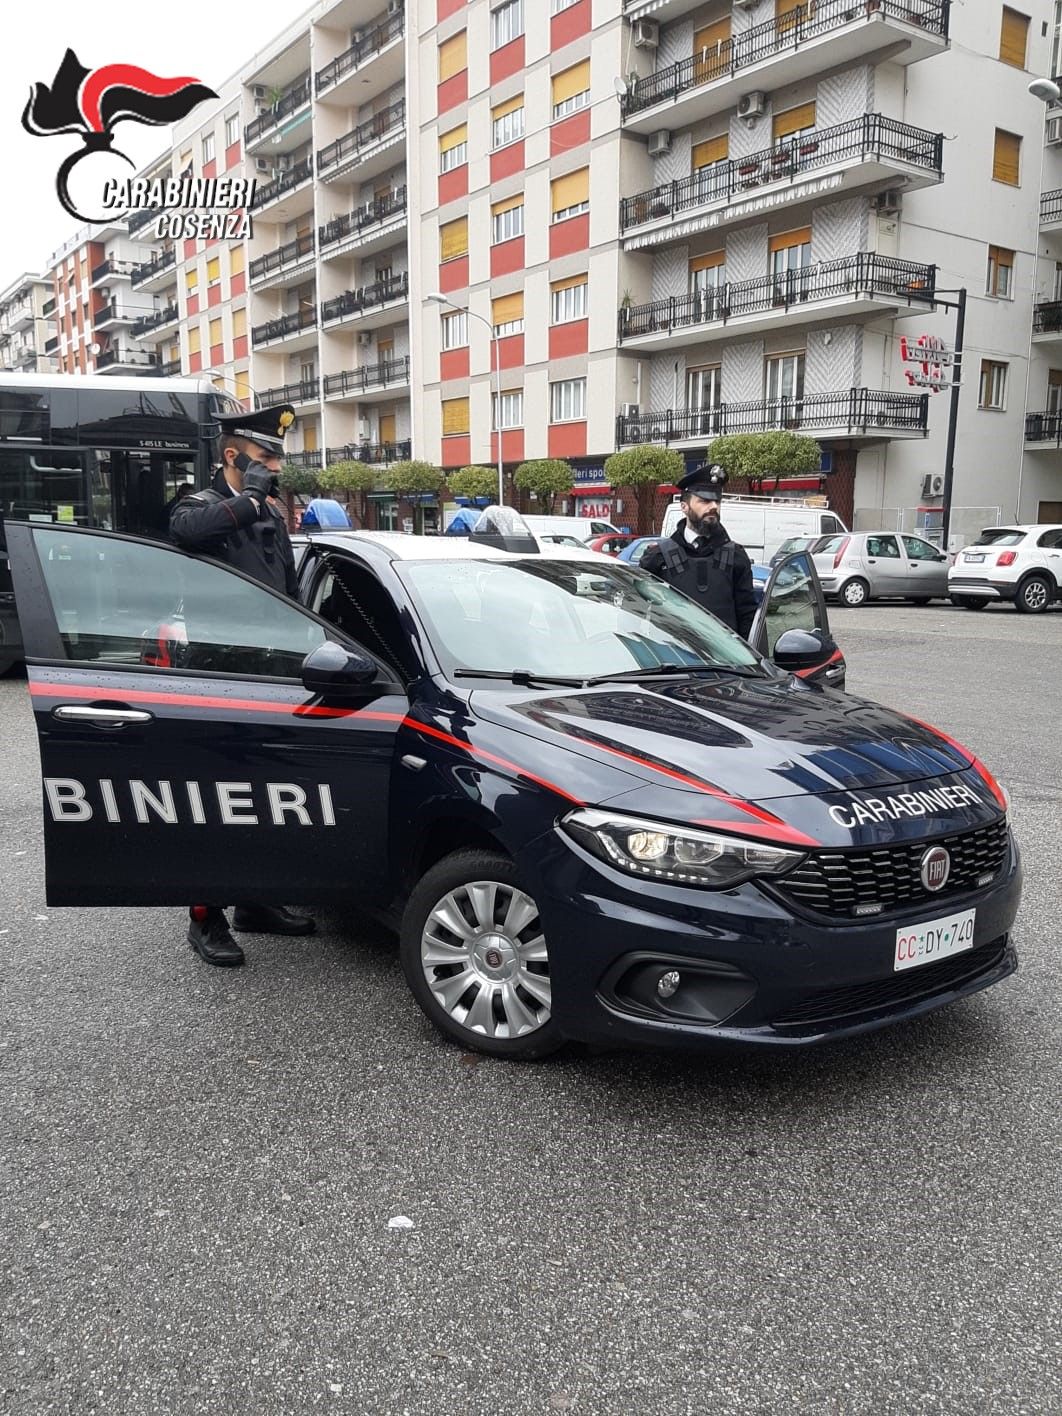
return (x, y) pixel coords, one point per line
(237, 520)
(700, 559)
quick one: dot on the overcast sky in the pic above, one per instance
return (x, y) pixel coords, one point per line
(206, 39)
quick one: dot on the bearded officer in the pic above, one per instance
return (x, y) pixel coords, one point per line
(236, 520)
(700, 559)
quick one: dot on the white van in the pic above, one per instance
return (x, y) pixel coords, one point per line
(581, 527)
(761, 524)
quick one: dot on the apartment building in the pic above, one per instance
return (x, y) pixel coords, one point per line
(27, 325)
(95, 306)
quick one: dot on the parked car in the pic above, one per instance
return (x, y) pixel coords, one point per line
(875, 565)
(761, 524)
(1022, 564)
(792, 544)
(611, 543)
(582, 527)
(551, 538)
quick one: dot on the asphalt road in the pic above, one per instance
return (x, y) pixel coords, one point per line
(199, 1166)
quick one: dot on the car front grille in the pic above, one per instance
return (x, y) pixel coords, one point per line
(846, 884)
(838, 1006)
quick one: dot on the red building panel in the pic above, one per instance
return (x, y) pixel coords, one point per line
(506, 161)
(567, 339)
(453, 91)
(569, 25)
(217, 355)
(507, 256)
(210, 169)
(511, 351)
(214, 294)
(445, 8)
(453, 275)
(453, 363)
(509, 59)
(238, 284)
(569, 133)
(568, 236)
(453, 184)
(567, 440)
(457, 452)
(193, 305)
(195, 363)
(239, 347)
(232, 155)
(512, 446)
(189, 248)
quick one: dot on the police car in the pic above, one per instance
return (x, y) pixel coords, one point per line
(597, 813)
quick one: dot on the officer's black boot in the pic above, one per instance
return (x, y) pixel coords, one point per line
(270, 919)
(208, 934)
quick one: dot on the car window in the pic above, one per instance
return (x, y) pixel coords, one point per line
(1000, 536)
(829, 523)
(920, 550)
(793, 603)
(349, 596)
(884, 546)
(1051, 538)
(827, 545)
(122, 602)
(640, 550)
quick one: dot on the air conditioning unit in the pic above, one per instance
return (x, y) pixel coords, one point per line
(932, 485)
(262, 164)
(364, 338)
(752, 105)
(1054, 130)
(645, 34)
(259, 91)
(628, 410)
(890, 201)
(660, 143)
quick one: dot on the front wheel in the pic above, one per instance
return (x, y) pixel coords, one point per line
(920, 599)
(854, 593)
(1034, 595)
(476, 959)
(969, 602)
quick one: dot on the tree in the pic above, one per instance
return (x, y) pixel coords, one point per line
(473, 482)
(547, 477)
(414, 479)
(300, 481)
(644, 469)
(766, 455)
(347, 477)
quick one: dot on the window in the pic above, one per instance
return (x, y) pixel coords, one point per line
(193, 339)
(453, 148)
(570, 195)
(992, 390)
(784, 377)
(507, 314)
(571, 89)
(711, 51)
(556, 6)
(1006, 158)
(455, 330)
(1013, 37)
(704, 393)
(215, 331)
(213, 270)
(567, 401)
(507, 121)
(708, 166)
(232, 129)
(453, 56)
(455, 419)
(789, 253)
(707, 274)
(568, 299)
(453, 239)
(1054, 390)
(507, 219)
(512, 409)
(712, 150)
(1000, 273)
(883, 547)
(919, 550)
(1056, 43)
(191, 280)
(208, 148)
(239, 322)
(506, 23)
(236, 259)
(793, 123)
(243, 387)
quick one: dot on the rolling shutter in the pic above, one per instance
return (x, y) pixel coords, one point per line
(572, 81)
(507, 308)
(453, 239)
(793, 120)
(1006, 158)
(454, 138)
(570, 191)
(786, 240)
(1013, 38)
(455, 419)
(712, 150)
(453, 55)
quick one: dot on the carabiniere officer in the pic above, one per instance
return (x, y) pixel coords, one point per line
(236, 521)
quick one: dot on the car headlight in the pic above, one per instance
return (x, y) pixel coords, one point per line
(658, 851)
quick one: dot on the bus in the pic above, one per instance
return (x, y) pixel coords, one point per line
(91, 450)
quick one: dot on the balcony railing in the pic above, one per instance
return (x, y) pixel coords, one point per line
(127, 359)
(305, 391)
(294, 99)
(1045, 427)
(112, 267)
(284, 326)
(300, 173)
(354, 302)
(114, 313)
(155, 321)
(375, 39)
(161, 262)
(295, 250)
(365, 135)
(374, 213)
(171, 368)
(779, 35)
(302, 459)
(1047, 317)
(371, 452)
(137, 220)
(1050, 207)
(387, 371)
(854, 411)
(863, 274)
(871, 136)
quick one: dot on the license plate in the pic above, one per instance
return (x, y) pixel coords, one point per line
(973, 560)
(926, 943)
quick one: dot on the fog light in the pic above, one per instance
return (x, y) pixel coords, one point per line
(667, 985)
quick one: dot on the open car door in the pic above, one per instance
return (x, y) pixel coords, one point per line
(792, 627)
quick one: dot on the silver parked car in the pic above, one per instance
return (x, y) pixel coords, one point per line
(858, 566)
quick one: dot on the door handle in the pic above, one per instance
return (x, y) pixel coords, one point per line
(100, 717)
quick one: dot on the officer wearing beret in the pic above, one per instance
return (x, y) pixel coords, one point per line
(700, 559)
(236, 521)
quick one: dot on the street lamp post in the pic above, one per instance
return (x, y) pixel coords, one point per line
(439, 299)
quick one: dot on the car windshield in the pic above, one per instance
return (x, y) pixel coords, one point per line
(828, 545)
(560, 618)
(1000, 536)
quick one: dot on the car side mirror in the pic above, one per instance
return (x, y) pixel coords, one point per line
(802, 649)
(334, 671)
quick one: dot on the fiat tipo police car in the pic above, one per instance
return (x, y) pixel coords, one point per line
(594, 811)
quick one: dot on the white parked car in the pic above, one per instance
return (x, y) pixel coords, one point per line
(1018, 563)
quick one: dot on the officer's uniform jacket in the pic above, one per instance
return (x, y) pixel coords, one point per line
(718, 576)
(230, 527)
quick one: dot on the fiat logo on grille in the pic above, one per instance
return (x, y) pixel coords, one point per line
(936, 867)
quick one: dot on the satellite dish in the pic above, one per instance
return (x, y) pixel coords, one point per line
(621, 87)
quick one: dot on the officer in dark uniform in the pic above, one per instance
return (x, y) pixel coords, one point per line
(700, 559)
(236, 521)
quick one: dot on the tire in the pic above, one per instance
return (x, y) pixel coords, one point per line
(6, 665)
(1034, 595)
(506, 970)
(854, 593)
(921, 599)
(969, 602)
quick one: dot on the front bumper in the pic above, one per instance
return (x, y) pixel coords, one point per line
(752, 969)
(981, 589)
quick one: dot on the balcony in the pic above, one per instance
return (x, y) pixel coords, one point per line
(153, 275)
(171, 368)
(113, 270)
(336, 80)
(297, 331)
(287, 262)
(1051, 211)
(113, 315)
(296, 179)
(19, 316)
(156, 321)
(365, 151)
(850, 413)
(864, 285)
(296, 98)
(373, 453)
(863, 153)
(124, 361)
(1047, 322)
(302, 459)
(1043, 431)
(789, 47)
(371, 305)
(137, 220)
(357, 385)
(306, 391)
(23, 356)
(366, 229)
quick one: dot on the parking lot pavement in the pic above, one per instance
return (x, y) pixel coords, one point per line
(200, 1165)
